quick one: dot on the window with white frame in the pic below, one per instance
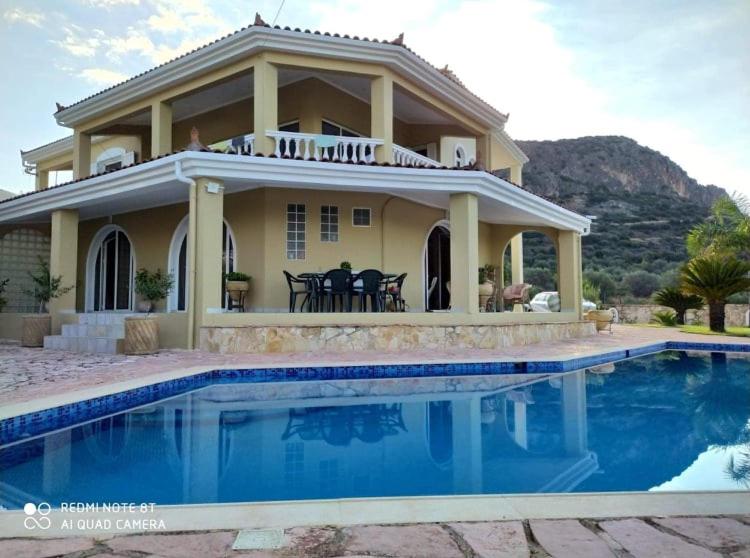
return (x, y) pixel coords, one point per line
(295, 231)
(361, 216)
(329, 223)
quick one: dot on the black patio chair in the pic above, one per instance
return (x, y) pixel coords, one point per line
(299, 286)
(370, 285)
(336, 284)
(394, 289)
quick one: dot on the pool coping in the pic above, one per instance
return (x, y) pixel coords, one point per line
(25, 420)
(422, 509)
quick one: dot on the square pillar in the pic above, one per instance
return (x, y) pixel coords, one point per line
(464, 222)
(81, 154)
(41, 181)
(207, 206)
(265, 105)
(63, 261)
(161, 128)
(574, 413)
(381, 116)
(569, 277)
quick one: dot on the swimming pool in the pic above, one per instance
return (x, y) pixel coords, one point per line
(674, 420)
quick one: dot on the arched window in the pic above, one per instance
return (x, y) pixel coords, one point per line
(109, 271)
(178, 264)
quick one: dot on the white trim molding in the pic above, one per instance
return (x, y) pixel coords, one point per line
(240, 172)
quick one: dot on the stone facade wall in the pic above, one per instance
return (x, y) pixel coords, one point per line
(642, 314)
(280, 339)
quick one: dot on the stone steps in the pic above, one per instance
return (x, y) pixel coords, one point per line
(95, 332)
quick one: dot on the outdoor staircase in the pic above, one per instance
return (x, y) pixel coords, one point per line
(96, 332)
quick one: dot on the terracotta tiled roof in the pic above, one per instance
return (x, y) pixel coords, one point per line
(397, 42)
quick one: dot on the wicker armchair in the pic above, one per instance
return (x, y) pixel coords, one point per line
(516, 294)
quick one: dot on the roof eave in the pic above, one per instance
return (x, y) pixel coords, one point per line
(254, 39)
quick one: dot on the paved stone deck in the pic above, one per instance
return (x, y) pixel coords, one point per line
(27, 374)
(649, 537)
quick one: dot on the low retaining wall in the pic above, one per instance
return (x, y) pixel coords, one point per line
(642, 314)
(286, 339)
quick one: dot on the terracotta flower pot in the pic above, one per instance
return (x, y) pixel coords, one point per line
(35, 327)
(236, 288)
(485, 293)
(603, 318)
(141, 335)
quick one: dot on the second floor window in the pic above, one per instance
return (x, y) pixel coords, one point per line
(329, 223)
(295, 231)
(361, 216)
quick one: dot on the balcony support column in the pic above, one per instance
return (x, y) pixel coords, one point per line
(265, 105)
(161, 128)
(516, 243)
(81, 154)
(63, 261)
(41, 181)
(569, 265)
(464, 223)
(381, 115)
(205, 237)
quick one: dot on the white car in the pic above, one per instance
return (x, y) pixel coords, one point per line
(549, 301)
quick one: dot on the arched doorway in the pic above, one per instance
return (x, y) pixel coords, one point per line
(178, 264)
(109, 271)
(437, 267)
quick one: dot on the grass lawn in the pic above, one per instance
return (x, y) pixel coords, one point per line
(731, 331)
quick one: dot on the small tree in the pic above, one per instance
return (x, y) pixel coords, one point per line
(591, 292)
(45, 286)
(605, 283)
(641, 284)
(153, 286)
(715, 279)
(674, 298)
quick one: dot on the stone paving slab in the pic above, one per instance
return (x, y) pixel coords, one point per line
(644, 541)
(494, 539)
(713, 532)
(567, 538)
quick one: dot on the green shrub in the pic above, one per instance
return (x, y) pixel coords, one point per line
(45, 286)
(153, 286)
(667, 318)
(236, 276)
(641, 284)
(591, 292)
(345, 265)
(678, 301)
(603, 280)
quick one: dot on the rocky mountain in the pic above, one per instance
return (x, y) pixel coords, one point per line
(644, 203)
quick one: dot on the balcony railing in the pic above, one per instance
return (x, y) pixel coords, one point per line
(403, 156)
(323, 147)
(239, 145)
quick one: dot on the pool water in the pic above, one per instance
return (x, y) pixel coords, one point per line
(669, 421)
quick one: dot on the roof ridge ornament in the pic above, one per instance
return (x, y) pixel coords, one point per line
(398, 40)
(259, 20)
(59, 107)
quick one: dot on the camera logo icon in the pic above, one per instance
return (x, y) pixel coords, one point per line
(36, 516)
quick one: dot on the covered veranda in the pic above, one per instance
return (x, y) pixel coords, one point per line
(216, 192)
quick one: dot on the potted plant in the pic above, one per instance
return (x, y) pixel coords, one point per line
(142, 332)
(153, 287)
(486, 284)
(45, 287)
(345, 265)
(236, 285)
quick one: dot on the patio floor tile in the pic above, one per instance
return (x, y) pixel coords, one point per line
(709, 531)
(201, 545)
(408, 541)
(564, 538)
(43, 548)
(643, 541)
(504, 539)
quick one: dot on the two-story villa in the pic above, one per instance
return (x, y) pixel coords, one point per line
(321, 149)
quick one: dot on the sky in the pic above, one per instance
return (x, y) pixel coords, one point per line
(673, 74)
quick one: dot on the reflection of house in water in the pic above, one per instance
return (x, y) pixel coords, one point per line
(250, 442)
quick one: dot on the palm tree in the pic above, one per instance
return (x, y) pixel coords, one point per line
(725, 232)
(714, 279)
(674, 298)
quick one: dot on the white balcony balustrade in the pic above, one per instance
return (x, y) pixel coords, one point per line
(323, 147)
(240, 145)
(404, 156)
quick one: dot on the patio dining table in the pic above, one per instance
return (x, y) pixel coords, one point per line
(318, 276)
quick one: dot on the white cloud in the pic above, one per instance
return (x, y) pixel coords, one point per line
(80, 42)
(112, 3)
(102, 76)
(24, 16)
